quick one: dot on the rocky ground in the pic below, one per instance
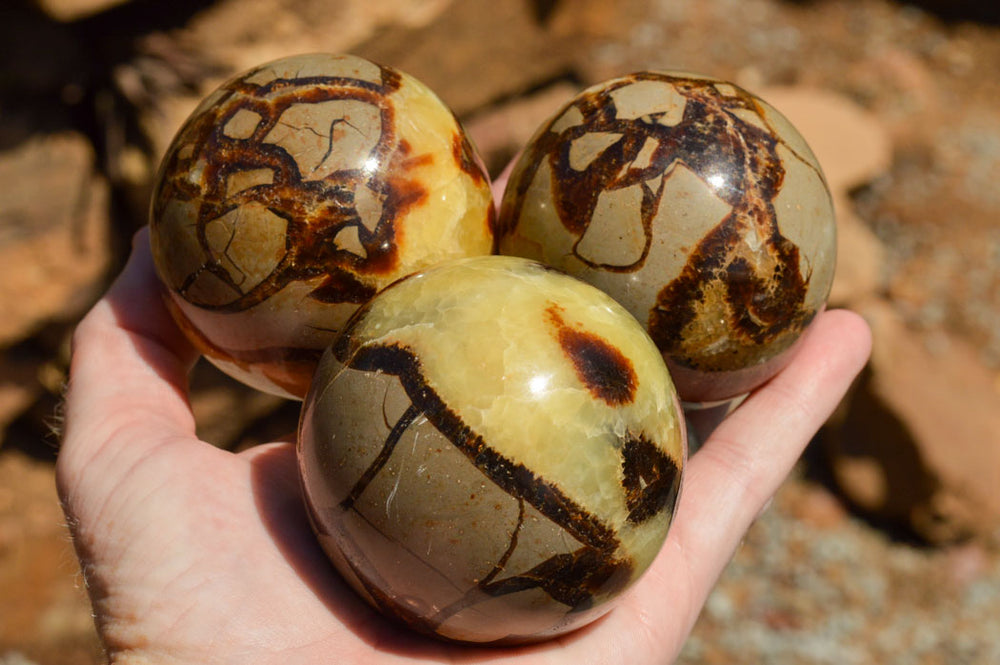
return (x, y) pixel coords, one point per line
(885, 545)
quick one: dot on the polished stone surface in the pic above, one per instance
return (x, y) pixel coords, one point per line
(693, 203)
(294, 193)
(492, 451)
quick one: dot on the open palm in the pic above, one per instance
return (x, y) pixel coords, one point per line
(192, 554)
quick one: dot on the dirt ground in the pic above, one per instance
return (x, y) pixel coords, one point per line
(822, 577)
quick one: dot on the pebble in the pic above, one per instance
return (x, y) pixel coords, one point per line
(799, 592)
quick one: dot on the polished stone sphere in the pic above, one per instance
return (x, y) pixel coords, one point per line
(693, 203)
(294, 193)
(491, 451)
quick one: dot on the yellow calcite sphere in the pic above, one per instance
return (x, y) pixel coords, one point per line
(491, 451)
(294, 193)
(697, 206)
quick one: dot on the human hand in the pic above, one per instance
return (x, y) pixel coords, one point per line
(192, 554)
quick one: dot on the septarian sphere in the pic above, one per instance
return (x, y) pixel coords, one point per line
(492, 451)
(294, 193)
(693, 203)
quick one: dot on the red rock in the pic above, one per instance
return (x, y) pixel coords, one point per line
(19, 387)
(41, 610)
(230, 36)
(73, 10)
(54, 233)
(919, 443)
(495, 50)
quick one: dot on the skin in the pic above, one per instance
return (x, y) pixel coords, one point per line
(192, 554)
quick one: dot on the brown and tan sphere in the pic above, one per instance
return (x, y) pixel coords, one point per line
(294, 193)
(492, 451)
(693, 203)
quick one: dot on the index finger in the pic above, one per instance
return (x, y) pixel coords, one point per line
(732, 477)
